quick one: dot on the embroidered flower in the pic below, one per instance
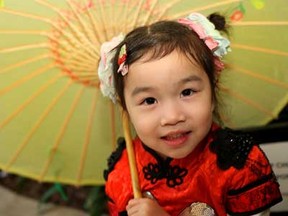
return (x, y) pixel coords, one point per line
(174, 175)
(152, 173)
(105, 71)
(207, 32)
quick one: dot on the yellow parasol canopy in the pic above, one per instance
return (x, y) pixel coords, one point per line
(54, 123)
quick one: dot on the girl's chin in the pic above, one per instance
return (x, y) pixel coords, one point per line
(178, 155)
(173, 155)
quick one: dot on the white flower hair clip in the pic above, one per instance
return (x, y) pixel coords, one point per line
(105, 68)
(206, 31)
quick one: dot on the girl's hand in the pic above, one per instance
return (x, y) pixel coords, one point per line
(143, 207)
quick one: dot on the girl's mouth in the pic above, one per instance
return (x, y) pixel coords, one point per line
(176, 138)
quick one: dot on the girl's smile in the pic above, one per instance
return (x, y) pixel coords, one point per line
(169, 103)
(176, 139)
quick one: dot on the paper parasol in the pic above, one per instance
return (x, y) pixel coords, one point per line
(54, 123)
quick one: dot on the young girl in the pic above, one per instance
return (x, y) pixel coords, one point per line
(165, 77)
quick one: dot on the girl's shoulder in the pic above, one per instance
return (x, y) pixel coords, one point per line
(231, 148)
(115, 157)
(238, 154)
(118, 181)
(250, 173)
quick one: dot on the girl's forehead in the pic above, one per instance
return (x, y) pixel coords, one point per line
(176, 60)
(172, 65)
(154, 55)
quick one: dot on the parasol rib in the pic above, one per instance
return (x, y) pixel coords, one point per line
(87, 32)
(112, 21)
(65, 49)
(261, 77)
(197, 9)
(87, 140)
(259, 49)
(73, 60)
(24, 47)
(117, 18)
(95, 28)
(23, 106)
(247, 101)
(26, 78)
(82, 68)
(61, 133)
(31, 16)
(131, 8)
(41, 19)
(113, 123)
(74, 29)
(69, 50)
(125, 15)
(260, 23)
(22, 32)
(86, 80)
(23, 63)
(121, 18)
(75, 52)
(39, 122)
(83, 156)
(137, 13)
(166, 8)
(103, 21)
(151, 9)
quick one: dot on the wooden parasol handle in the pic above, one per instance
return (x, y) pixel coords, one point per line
(131, 156)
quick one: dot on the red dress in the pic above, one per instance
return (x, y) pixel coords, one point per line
(239, 181)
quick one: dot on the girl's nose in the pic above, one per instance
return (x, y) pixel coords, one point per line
(171, 114)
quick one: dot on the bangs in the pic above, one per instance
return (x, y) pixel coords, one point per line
(163, 38)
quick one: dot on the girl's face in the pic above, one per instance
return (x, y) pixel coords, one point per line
(170, 104)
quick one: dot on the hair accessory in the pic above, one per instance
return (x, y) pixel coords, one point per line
(105, 71)
(123, 68)
(212, 37)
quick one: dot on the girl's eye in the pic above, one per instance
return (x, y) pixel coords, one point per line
(187, 92)
(149, 101)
